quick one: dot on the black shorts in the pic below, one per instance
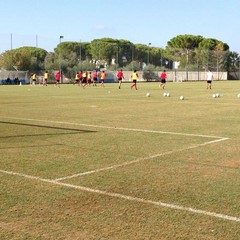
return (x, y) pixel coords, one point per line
(209, 81)
(163, 80)
(135, 81)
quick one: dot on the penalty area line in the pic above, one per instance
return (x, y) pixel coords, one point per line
(137, 160)
(116, 128)
(129, 198)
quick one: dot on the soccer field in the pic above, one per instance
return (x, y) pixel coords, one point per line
(109, 163)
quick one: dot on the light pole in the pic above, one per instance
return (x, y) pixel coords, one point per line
(187, 63)
(239, 66)
(60, 40)
(36, 60)
(11, 39)
(117, 58)
(36, 41)
(148, 53)
(217, 66)
(132, 55)
(80, 54)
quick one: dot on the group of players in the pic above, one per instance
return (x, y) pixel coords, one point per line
(84, 78)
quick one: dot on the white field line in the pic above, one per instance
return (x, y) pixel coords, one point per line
(158, 203)
(117, 128)
(217, 139)
(136, 161)
(129, 198)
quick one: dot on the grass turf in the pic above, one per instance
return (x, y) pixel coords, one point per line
(159, 149)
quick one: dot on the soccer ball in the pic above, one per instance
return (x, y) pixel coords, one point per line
(148, 95)
(214, 96)
(238, 95)
(181, 97)
(165, 94)
(168, 94)
(217, 95)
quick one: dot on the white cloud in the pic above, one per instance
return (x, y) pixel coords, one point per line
(100, 27)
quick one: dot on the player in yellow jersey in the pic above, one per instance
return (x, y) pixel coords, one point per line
(46, 75)
(84, 79)
(76, 78)
(34, 78)
(134, 77)
(102, 78)
(89, 78)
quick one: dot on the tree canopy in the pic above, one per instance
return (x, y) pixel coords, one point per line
(74, 56)
(185, 41)
(24, 58)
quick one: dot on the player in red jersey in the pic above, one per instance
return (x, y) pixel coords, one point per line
(163, 77)
(120, 77)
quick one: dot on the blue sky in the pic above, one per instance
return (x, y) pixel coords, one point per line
(41, 22)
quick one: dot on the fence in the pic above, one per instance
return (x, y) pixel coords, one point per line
(172, 76)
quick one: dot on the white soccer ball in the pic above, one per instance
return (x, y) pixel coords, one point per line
(168, 95)
(214, 95)
(217, 95)
(181, 97)
(165, 94)
(148, 95)
(238, 95)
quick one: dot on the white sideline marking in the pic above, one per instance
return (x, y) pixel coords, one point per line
(117, 195)
(136, 161)
(117, 128)
(217, 139)
(125, 197)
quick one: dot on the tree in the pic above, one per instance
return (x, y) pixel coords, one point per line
(149, 73)
(141, 52)
(24, 58)
(49, 62)
(213, 44)
(107, 49)
(157, 56)
(212, 53)
(185, 41)
(197, 51)
(193, 52)
(71, 53)
(181, 48)
(104, 49)
(232, 61)
(125, 52)
(134, 65)
(6, 60)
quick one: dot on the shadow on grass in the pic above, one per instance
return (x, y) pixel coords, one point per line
(73, 130)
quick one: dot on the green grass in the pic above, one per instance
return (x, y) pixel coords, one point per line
(138, 152)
